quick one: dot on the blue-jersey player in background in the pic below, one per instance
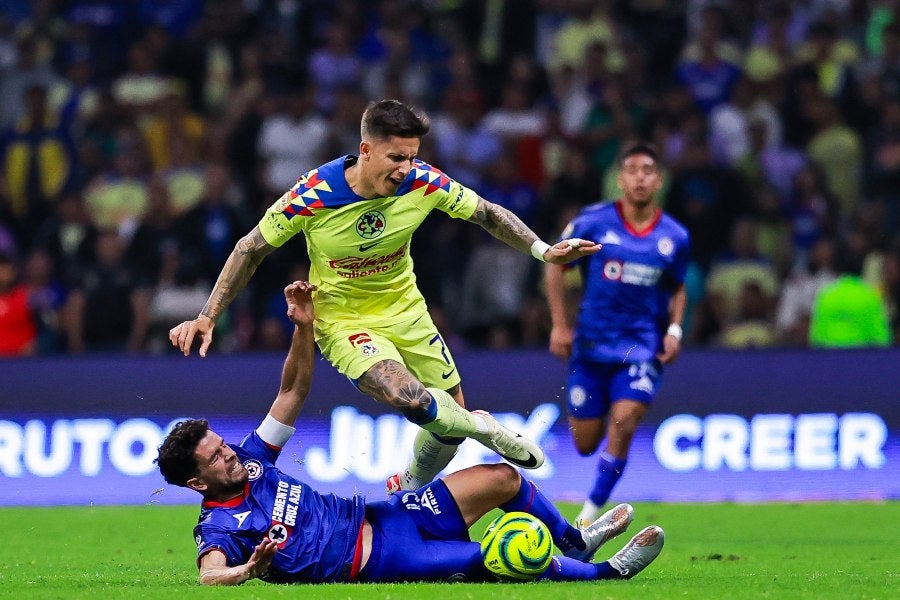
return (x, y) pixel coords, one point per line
(628, 323)
(257, 521)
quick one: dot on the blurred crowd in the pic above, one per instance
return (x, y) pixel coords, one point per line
(140, 139)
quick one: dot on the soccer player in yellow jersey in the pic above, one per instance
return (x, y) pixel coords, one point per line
(358, 214)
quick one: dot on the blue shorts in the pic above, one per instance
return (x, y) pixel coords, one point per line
(593, 386)
(421, 536)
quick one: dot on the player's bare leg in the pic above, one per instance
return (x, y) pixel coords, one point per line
(624, 417)
(436, 411)
(431, 455)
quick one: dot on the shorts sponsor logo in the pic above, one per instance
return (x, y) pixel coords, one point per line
(643, 384)
(254, 469)
(371, 225)
(363, 342)
(358, 339)
(198, 539)
(430, 502)
(577, 396)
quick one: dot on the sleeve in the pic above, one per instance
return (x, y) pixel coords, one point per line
(682, 260)
(254, 445)
(210, 537)
(458, 201)
(283, 220)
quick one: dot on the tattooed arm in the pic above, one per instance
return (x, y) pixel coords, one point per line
(509, 229)
(247, 255)
(503, 225)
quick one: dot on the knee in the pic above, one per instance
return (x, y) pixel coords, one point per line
(502, 478)
(586, 445)
(505, 477)
(585, 449)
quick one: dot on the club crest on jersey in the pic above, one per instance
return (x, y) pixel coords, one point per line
(363, 343)
(665, 245)
(278, 533)
(254, 469)
(371, 225)
(612, 270)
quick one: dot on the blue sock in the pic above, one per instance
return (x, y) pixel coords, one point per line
(529, 499)
(609, 469)
(568, 569)
(428, 416)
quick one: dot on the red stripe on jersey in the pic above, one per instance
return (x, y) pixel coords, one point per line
(646, 230)
(236, 501)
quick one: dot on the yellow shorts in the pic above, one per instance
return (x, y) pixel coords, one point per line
(417, 344)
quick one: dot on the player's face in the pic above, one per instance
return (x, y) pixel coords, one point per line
(639, 179)
(219, 470)
(386, 163)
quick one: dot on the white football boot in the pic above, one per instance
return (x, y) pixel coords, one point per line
(512, 446)
(639, 552)
(610, 524)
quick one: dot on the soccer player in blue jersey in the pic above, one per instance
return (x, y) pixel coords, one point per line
(256, 521)
(358, 215)
(628, 324)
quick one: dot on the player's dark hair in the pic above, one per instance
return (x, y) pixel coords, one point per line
(176, 459)
(644, 148)
(385, 118)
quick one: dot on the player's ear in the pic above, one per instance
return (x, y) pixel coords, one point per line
(364, 149)
(196, 484)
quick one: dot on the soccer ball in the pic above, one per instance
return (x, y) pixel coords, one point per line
(517, 545)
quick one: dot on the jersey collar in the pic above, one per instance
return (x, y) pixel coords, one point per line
(635, 232)
(234, 502)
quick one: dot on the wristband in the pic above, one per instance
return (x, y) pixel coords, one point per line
(675, 331)
(273, 432)
(538, 248)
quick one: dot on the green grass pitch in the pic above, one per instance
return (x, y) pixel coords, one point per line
(815, 551)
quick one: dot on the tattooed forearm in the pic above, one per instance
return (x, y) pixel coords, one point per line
(239, 268)
(388, 381)
(503, 225)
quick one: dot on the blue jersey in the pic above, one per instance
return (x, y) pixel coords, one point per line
(316, 533)
(627, 286)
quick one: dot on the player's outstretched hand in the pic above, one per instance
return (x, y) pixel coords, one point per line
(569, 250)
(182, 335)
(299, 302)
(261, 558)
